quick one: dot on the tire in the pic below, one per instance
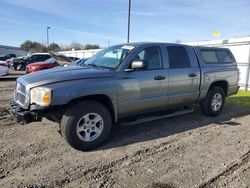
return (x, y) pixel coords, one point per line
(20, 67)
(214, 102)
(77, 125)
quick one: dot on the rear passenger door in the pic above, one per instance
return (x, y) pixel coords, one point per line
(184, 75)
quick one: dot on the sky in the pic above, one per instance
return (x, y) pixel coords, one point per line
(104, 22)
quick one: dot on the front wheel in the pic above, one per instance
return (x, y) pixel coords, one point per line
(214, 102)
(21, 67)
(86, 125)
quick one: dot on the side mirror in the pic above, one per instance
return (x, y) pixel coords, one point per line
(137, 65)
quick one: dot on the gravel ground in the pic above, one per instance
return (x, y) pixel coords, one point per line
(191, 150)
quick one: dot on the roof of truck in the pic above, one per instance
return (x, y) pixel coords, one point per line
(141, 44)
(138, 44)
(40, 53)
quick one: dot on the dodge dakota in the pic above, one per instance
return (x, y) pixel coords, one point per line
(126, 84)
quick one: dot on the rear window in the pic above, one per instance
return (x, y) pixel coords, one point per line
(216, 56)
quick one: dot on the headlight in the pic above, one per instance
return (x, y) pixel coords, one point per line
(40, 96)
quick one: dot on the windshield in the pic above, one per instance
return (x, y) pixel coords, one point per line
(110, 57)
(27, 57)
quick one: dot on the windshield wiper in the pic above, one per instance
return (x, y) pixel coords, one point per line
(94, 65)
(98, 66)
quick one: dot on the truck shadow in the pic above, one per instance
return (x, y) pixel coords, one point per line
(127, 135)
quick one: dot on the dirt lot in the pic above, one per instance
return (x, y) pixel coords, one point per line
(186, 151)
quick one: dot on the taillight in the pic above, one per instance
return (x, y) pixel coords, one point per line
(238, 75)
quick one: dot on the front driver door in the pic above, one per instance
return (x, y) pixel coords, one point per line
(144, 90)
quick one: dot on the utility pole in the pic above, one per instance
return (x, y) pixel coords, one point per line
(48, 36)
(129, 10)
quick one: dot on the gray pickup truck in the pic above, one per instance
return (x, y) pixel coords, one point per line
(126, 84)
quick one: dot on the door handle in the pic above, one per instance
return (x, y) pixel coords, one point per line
(159, 77)
(192, 75)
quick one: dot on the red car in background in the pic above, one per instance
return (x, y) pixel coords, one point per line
(48, 64)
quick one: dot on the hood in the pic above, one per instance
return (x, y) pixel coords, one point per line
(61, 74)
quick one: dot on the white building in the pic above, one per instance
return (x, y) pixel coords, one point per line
(240, 48)
(80, 53)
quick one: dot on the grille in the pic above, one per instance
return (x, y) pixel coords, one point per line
(20, 94)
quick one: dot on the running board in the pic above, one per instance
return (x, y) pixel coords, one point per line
(156, 117)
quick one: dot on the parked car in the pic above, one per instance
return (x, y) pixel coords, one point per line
(4, 69)
(16, 60)
(4, 63)
(47, 64)
(21, 64)
(9, 62)
(126, 84)
(7, 56)
(56, 60)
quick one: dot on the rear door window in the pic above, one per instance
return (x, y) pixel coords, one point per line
(216, 56)
(178, 57)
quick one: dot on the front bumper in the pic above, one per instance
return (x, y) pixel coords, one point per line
(22, 116)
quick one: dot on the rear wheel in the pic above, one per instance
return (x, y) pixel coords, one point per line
(86, 125)
(214, 102)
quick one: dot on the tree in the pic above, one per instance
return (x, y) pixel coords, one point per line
(177, 41)
(54, 47)
(75, 45)
(91, 46)
(31, 46)
(72, 45)
(38, 47)
(27, 45)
